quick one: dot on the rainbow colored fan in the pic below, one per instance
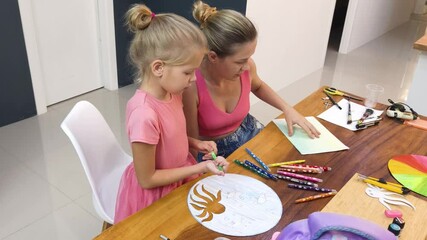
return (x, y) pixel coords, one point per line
(410, 171)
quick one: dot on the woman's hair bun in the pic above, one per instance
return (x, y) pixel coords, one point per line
(202, 11)
(138, 17)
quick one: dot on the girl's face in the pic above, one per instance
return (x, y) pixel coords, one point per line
(231, 67)
(176, 79)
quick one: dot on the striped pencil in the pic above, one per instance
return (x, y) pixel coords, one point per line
(325, 169)
(296, 180)
(311, 198)
(301, 170)
(310, 188)
(250, 169)
(260, 169)
(258, 160)
(313, 169)
(299, 176)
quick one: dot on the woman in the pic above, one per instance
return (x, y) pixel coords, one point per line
(217, 106)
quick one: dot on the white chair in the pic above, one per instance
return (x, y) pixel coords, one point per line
(103, 159)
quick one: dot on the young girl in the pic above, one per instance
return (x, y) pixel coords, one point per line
(217, 106)
(166, 49)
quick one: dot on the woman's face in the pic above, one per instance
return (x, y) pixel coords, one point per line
(231, 67)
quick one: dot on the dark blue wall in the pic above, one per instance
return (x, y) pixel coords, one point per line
(16, 90)
(180, 7)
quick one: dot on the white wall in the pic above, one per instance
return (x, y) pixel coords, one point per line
(28, 26)
(74, 52)
(369, 19)
(417, 92)
(293, 38)
(420, 7)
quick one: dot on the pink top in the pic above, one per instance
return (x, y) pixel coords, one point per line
(161, 123)
(215, 122)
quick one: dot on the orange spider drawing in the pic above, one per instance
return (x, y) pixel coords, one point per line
(210, 205)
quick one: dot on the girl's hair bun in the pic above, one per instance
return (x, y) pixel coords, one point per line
(138, 17)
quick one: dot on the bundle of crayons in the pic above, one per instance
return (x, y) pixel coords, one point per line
(289, 171)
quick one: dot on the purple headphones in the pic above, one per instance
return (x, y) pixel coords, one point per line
(329, 226)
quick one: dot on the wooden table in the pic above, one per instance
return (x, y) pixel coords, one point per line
(369, 152)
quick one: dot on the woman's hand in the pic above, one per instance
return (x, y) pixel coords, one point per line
(206, 147)
(293, 117)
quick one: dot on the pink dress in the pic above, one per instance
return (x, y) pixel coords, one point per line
(160, 123)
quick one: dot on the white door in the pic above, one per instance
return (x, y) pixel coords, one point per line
(67, 42)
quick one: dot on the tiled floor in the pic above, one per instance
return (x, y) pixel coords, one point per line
(44, 193)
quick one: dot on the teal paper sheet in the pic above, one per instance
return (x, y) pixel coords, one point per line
(327, 142)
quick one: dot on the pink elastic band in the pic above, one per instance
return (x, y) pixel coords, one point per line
(153, 15)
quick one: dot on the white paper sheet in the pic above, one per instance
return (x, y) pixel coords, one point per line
(339, 117)
(234, 205)
(327, 142)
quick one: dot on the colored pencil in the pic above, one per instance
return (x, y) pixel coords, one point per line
(260, 169)
(310, 188)
(325, 169)
(299, 176)
(258, 160)
(285, 163)
(314, 197)
(250, 169)
(296, 180)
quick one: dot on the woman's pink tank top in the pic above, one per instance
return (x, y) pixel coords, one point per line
(215, 122)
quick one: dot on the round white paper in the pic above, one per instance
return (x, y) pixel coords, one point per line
(249, 206)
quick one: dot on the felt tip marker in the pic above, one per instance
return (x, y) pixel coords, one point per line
(164, 237)
(214, 158)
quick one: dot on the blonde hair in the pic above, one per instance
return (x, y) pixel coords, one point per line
(224, 29)
(167, 37)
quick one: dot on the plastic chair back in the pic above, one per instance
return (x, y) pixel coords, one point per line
(103, 159)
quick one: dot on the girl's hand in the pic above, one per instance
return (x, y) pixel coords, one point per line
(212, 166)
(293, 117)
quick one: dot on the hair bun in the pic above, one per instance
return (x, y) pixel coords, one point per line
(202, 11)
(138, 17)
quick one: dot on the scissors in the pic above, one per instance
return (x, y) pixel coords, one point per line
(334, 91)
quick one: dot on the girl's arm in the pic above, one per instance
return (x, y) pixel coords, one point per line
(268, 95)
(150, 177)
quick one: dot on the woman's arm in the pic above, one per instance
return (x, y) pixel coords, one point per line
(268, 95)
(203, 146)
(190, 101)
(148, 176)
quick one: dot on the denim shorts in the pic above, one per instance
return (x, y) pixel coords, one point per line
(249, 127)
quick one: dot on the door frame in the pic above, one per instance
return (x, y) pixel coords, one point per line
(106, 46)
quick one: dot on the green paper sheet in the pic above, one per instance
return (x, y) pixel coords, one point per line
(327, 142)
